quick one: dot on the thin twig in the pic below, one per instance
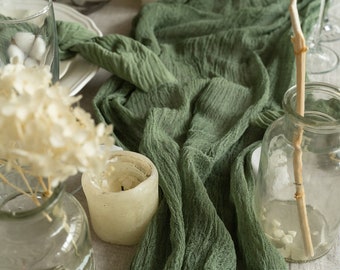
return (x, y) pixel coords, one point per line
(32, 194)
(47, 190)
(5, 180)
(49, 186)
(22, 172)
(23, 177)
(300, 56)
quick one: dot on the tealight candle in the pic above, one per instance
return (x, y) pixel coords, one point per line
(123, 199)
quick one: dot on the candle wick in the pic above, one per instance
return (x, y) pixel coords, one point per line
(122, 188)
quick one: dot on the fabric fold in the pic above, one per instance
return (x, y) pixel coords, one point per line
(194, 89)
(121, 55)
(232, 62)
(243, 183)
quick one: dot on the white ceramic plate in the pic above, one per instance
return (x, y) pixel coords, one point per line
(75, 73)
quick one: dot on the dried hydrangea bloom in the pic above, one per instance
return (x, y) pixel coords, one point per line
(44, 129)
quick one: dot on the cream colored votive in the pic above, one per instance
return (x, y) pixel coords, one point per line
(123, 199)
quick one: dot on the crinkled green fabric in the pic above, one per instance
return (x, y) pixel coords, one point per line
(124, 57)
(194, 88)
(196, 99)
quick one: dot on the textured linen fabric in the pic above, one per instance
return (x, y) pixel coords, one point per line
(225, 66)
(193, 89)
(232, 61)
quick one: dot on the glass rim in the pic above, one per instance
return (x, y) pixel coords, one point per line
(43, 10)
(305, 121)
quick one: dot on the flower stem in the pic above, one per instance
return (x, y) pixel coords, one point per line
(32, 196)
(5, 180)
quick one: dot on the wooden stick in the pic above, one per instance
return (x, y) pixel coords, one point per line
(300, 56)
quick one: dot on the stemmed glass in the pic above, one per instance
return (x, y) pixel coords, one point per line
(320, 59)
(28, 34)
(331, 26)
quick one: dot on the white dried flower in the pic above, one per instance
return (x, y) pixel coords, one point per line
(43, 129)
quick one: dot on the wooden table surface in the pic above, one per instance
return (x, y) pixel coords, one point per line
(116, 17)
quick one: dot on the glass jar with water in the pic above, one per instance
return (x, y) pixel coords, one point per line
(275, 194)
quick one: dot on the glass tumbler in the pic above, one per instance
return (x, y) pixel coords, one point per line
(28, 34)
(276, 196)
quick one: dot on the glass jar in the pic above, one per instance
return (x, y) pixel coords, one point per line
(276, 194)
(50, 232)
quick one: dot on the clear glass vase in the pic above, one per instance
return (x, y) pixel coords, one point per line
(49, 233)
(276, 197)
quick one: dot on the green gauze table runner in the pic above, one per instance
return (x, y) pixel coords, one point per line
(194, 89)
